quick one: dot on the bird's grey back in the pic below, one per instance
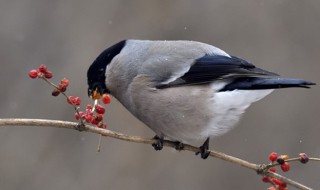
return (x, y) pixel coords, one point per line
(167, 58)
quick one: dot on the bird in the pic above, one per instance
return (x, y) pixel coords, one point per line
(185, 91)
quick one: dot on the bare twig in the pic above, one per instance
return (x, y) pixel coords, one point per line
(260, 169)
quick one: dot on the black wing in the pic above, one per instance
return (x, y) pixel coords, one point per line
(215, 67)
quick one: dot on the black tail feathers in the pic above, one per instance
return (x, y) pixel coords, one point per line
(254, 83)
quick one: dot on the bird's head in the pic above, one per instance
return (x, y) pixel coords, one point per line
(96, 81)
(96, 74)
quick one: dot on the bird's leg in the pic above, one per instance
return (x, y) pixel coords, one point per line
(179, 146)
(204, 149)
(159, 144)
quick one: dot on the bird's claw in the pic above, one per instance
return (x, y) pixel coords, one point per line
(159, 144)
(179, 146)
(204, 153)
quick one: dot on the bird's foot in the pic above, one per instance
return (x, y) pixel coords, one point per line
(179, 146)
(79, 127)
(159, 144)
(204, 149)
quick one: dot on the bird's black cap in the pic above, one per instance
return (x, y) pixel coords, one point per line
(96, 73)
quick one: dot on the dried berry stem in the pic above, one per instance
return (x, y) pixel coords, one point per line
(99, 144)
(109, 133)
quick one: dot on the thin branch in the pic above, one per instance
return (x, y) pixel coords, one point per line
(76, 108)
(260, 169)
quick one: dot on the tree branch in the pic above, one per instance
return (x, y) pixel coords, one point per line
(260, 169)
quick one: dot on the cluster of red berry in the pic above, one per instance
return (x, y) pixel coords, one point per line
(74, 100)
(95, 119)
(87, 116)
(64, 83)
(41, 72)
(285, 167)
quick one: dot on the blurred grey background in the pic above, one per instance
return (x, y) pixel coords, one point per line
(277, 35)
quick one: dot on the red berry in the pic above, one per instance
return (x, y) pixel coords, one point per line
(77, 101)
(100, 109)
(33, 74)
(65, 82)
(82, 115)
(88, 118)
(303, 158)
(43, 69)
(278, 182)
(62, 87)
(282, 185)
(89, 112)
(55, 92)
(94, 122)
(48, 75)
(70, 100)
(285, 167)
(99, 117)
(76, 115)
(273, 156)
(100, 125)
(272, 169)
(106, 99)
(89, 107)
(265, 179)
(104, 125)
